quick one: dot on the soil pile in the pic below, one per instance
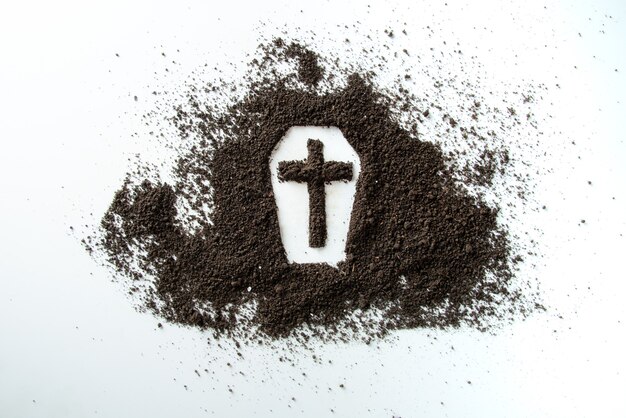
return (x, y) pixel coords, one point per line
(421, 250)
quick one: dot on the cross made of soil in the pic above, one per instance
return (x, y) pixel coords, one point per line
(315, 172)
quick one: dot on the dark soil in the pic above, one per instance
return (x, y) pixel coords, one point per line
(420, 249)
(315, 172)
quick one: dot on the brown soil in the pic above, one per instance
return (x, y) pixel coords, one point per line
(420, 249)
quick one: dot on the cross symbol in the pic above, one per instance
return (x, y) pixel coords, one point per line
(315, 172)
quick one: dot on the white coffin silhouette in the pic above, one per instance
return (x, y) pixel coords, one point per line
(292, 198)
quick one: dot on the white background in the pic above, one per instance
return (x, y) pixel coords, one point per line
(71, 344)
